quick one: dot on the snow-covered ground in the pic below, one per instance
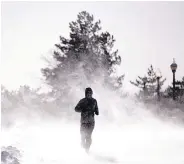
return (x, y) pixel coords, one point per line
(131, 138)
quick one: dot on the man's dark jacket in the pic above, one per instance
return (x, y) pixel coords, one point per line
(87, 107)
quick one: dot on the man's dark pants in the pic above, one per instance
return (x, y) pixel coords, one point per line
(86, 130)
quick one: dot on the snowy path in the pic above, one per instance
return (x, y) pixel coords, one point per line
(59, 143)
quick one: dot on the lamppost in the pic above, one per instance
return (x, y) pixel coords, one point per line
(173, 68)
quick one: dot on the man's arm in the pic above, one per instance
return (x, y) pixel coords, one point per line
(96, 109)
(78, 107)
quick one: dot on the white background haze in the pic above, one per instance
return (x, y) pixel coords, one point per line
(126, 131)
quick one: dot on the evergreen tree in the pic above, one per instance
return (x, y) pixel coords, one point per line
(84, 58)
(148, 84)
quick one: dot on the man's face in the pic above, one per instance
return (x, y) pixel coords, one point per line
(89, 95)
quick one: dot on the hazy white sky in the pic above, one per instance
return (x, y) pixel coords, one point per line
(146, 33)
